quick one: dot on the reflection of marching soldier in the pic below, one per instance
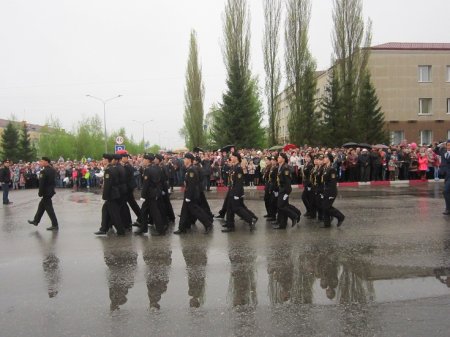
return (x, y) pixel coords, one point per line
(50, 264)
(328, 270)
(308, 193)
(122, 263)
(196, 259)
(235, 202)
(158, 258)
(285, 210)
(131, 185)
(111, 195)
(151, 192)
(191, 204)
(328, 196)
(280, 269)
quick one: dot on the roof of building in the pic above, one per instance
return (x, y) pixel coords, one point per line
(31, 127)
(411, 46)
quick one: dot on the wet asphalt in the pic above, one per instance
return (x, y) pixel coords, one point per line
(385, 272)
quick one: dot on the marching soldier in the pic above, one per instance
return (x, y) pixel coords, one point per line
(123, 189)
(46, 192)
(308, 193)
(268, 190)
(316, 179)
(131, 185)
(191, 204)
(111, 195)
(235, 204)
(151, 192)
(329, 193)
(166, 205)
(203, 202)
(285, 210)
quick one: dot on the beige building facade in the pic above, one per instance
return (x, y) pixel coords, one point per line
(412, 81)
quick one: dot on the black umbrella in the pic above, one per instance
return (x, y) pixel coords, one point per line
(350, 144)
(365, 146)
(197, 149)
(227, 148)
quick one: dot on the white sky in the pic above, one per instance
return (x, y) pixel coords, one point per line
(54, 52)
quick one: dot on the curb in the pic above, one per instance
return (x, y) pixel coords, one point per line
(345, 184)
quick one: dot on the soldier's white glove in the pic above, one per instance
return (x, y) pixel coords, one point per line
(330, 198)
(163, 193)
(236, 198)
(275, 194)
(187, 200)
(321, 196)
(285, 197)
(308, 189)
(142, 199)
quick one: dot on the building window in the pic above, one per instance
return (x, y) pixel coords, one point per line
(425, 106)
(397, 137)
(448, 134)
(448, 105)
(426, 137)
(448, 74)
(424, 73)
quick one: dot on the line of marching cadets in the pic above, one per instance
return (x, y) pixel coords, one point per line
(320, 191)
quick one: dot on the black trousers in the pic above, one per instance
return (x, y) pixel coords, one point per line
(111, 216)
(46, 205)
(318, 205)
(308, 200)
(133, 204)
(270, 202)
(151, 208)
(329, 211)
(125, 214)
(238, 207)
(224, 208)
(190, 211)
(285, 211)
(167, 205)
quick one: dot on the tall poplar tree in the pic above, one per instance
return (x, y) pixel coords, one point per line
(10, 142)
(239, 119)
(271, 38)
(300, 74)
(193, 98)
(351, 42)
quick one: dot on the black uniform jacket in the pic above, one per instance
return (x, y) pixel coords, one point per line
(5, 175)
(284, 180)
(191, 184)
(111, 183)
(47, 182)
(152, 185)
(307, 170)
(123, 188)
(237, 181)
(131, 182)
(329, 179)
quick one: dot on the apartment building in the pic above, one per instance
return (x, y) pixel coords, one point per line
(412, 81)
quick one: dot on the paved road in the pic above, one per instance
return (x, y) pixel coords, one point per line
(383, 273)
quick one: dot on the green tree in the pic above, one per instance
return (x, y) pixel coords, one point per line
(26, 150)
(333, 123)
(239, 119)
(370, 118)
(351, 51)
(271, 41)
(10, 142)
(300, 74)
(193, 98)
(89, 138)
(55, 141)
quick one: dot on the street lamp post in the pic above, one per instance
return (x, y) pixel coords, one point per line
(104, 101)
(143, 130)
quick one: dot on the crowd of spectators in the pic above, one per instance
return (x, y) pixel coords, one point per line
(401, 162)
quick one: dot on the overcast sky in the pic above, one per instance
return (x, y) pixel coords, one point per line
(54, 52)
